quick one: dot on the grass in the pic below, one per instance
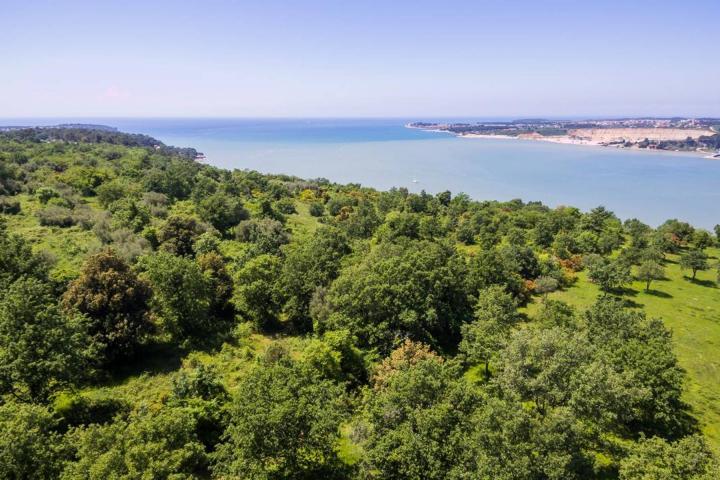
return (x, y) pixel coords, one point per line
(692, 311)
(68, 246)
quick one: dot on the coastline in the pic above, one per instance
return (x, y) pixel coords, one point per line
(565, 140)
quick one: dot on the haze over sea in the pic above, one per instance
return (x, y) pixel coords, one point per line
(382, 153)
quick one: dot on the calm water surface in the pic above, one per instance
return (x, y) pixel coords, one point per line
(382, 153)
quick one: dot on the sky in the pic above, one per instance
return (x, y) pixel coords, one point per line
(367, 58)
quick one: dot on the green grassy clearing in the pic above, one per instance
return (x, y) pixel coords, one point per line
(692, 311)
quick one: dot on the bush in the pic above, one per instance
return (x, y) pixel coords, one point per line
(317, 209)
(46, 193)
(9, 206)
(56, 217)
(285, 205)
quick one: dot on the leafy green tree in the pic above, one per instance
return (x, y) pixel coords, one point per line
(716, 229)
(416, 422)
(609, 275)
(197, 387)
(414, 289)
(220, 282)
(284, 424)
(115, 301)
(222, 211)
(702, 239)
(510, 441)
(654, 459)
(694, 260)
(309, 265)
(181, 296)
(539, 366)
(178, 234)
(495, 315)
(267, 234)
(489, 268)
(18, 259)
(257, 295)
(317, 209)
(641, 352)
(129, 213)
(110, 192)
(41, 350)
(545, 285)
(650, 270)
(145, 445)
(30, 446)
(638, 231)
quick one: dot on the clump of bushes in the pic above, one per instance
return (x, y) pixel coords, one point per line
(54, 216)
(9, 206)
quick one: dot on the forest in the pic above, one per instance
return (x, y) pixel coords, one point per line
(161, 318)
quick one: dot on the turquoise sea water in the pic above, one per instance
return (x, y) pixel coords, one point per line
(382, 153)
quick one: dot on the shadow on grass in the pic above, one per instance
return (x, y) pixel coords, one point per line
(702, 283)
(152, 359)
(657, 293)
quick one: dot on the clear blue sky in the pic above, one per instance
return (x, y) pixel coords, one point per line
(359, 58)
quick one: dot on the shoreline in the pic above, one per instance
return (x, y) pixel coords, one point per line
(565, 140)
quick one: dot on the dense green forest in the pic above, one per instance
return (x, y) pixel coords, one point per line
(165, 319)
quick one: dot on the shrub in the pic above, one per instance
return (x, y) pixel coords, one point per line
(9, 206)
(317, 209)
(56, 217)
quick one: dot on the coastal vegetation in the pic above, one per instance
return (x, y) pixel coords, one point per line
(163, 318)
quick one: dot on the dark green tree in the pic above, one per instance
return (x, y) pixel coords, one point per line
(258, 296)
(115, 301)
(284, 424)
(495, 314)
(41, 350)
(650, 270)
(30, 446)
(695, 261)
(182, 295)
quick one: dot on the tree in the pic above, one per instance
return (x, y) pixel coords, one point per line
(284, 424)
(650, 270)
(30, 446)
(257, 295)
(220, 282)
(222, 211)
(545, 285)
(309, 265)
(115, 301)
(145, 445)
(641, 352)
(716, 229)
(687, 459)
(181, 296)
(267, 234)
(41, 350)
(416, 422)
(539, 366)
(695, 260)
(18, 259)
(412, 289)
(609, 275)
(495, 314)
(178, 234)
(702, 239)
(403, 357)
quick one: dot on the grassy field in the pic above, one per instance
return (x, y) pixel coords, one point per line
(692, 311)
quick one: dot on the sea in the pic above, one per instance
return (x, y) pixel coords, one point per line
(383, 153)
